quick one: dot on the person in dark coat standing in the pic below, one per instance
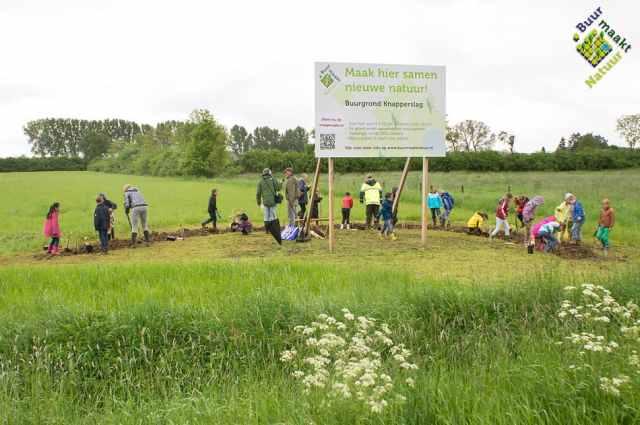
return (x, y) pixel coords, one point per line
(213, 210)
(112, 206)
(101, 222)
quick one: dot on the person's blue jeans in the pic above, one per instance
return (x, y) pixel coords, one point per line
(550, 241)
(576, 231)
(103, 234)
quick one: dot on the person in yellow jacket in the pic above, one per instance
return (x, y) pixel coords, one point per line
(370, 195)
(563, 215)
(475, 223)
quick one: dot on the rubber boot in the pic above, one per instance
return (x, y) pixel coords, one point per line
(134, 239)
(267, 227)
(146, 237)
(274, 226)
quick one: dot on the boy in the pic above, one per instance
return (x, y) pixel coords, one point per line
(474, 225)
(521, 201)
(447, 204)
(502, 212)
(386, 212)
(101, 222)
(347, 204)
(605, 225)
(577, 217)
(213, 211)
(434, 202)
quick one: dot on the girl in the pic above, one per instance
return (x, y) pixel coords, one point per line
(605, 225)
(387, 216)
(529, 214)
(434, 202)
(347, 204)
(502, 213)
(52, 229)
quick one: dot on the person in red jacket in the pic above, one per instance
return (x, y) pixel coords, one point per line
(347, 204)
(502, 212)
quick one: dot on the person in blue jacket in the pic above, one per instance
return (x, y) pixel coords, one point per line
(447, 204)
(386, 212)
(577, 218)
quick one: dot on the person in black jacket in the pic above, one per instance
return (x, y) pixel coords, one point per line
(112, 206)
(101, 222)
(213, 211)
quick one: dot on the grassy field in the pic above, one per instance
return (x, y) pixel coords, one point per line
(182, 203)
(192, 331)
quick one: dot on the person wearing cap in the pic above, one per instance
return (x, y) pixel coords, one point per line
(268, 196)
(370, 195)
(292, 193)
(135, 204)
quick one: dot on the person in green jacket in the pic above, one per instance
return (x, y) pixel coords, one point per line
(268, 197)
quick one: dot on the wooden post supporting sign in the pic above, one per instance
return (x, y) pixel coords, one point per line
(403, 180)
(423, 200)
(331, 224)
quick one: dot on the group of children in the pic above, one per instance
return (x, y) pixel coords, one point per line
(545, 234)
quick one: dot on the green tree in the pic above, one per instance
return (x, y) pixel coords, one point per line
(240, 140)
(293, 140)
(265, 138)
(629, 127)
(587, 141)
(94, 146)
(205, 146)
(475, 135)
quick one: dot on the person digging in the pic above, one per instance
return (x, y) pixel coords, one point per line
(268, 196)
(135, 208)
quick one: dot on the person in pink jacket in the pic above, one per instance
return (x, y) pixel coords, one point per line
(52, 229)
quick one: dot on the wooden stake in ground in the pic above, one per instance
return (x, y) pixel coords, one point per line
(331, 225)
(403, 180)
(423, 199)
(314, 188)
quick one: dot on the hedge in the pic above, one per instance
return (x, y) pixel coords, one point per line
(41, 164)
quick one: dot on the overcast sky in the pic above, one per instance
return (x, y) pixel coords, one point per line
(509, 63)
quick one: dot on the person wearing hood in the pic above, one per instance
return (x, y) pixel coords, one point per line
(370, 195)
(135, 204)
(268, 197)
(563, 215)
(577, 218)
(529, 214)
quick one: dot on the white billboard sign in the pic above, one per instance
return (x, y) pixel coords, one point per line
(374, 110)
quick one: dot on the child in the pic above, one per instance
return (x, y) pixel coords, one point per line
(101, 222)
(213, 211)
(447, 203)
(52, 229)
(529, 214)
(112, 206)
(434, 202)
(521, 202)
(474, 225)
(577, 217)
(386, 212)
(241, 224)
(535, 230)
(347, 204)
(315, 208)
(605, 225)
(546, 233)
(563, 214)
(502, 212)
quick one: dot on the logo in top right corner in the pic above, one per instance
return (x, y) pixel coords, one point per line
(601, 46)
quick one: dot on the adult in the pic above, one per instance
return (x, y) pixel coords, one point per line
(303, 200)
(111, 206)
(268, 197)
(370, 195)
(292, 193)
(135, 208)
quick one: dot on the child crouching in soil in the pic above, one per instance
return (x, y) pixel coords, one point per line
(605, 225)
(52, 229)
(386, 212)
(475, 223)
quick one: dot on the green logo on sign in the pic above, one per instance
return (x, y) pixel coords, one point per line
(326, 80)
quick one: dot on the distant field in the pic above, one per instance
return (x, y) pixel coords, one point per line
(181, 202)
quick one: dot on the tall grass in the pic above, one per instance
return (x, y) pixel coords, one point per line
(200, 344)
(177, 202)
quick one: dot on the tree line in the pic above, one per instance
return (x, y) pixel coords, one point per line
(200, 146)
